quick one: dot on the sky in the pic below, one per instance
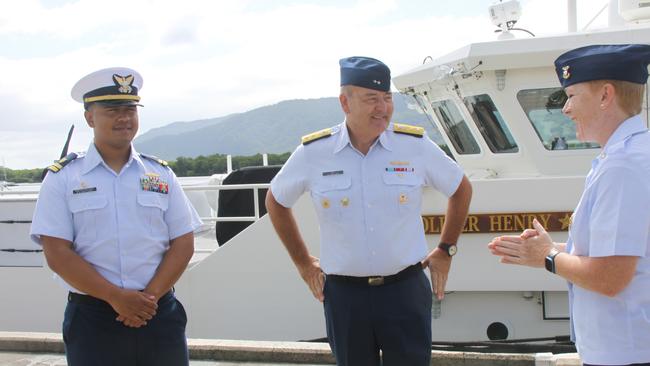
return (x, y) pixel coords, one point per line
(204, 59)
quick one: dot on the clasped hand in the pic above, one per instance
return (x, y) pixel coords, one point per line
(134, 308)
(530, 248)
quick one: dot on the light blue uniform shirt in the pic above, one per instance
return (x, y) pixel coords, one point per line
(613, 218)
(114, 223)
(369, 207)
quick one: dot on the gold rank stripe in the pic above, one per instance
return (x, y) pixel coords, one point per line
(112, 97)
(307, 139)
(408, 129)
(494, 223)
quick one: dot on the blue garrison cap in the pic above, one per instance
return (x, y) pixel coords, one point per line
(626, 62)
(365, 72)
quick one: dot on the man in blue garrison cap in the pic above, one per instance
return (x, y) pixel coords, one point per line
(365, 177)
(117, 230)
(606, 259)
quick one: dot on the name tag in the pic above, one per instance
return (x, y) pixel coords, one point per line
(84, 190)
(333, 172)
(400, 169)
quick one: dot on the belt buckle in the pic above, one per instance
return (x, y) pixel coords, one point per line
(376, 281)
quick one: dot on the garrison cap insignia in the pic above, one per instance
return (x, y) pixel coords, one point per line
(408, 129)
(124, 83)
(156, 159)
(308, 139)
(61, 163)
(565, 72)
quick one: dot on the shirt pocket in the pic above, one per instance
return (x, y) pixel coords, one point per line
(403, 192)
(152, 207)
(331, 198)
(89, 213)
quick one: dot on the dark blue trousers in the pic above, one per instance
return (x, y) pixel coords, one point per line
(92, 336)
(394, 318)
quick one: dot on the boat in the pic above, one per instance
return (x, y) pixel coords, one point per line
(498, 107)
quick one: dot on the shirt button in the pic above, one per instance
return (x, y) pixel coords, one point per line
(374, 253)
(370, 205)
(372, 229)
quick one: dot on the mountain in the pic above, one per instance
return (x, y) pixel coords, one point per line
(180, 127)
(275, 128)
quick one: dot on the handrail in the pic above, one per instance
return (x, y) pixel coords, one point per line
(191, 188)
(17, 193)
(226, 187)
(229, 187)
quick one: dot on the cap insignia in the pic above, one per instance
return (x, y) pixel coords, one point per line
(378, 82)
(565, 72)
(124, 83)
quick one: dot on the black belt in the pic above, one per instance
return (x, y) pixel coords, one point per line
(91, 300)
(378, 280)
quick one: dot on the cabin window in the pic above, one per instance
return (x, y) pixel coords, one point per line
(543, 108)
(455, 127)
(491, 124)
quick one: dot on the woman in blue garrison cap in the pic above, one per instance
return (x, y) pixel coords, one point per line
(606, 259)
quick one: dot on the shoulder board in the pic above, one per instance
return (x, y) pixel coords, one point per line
(59, 164)
(308, 139)
(408, 129)
(155, 158)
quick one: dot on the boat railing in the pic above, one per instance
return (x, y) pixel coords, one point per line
(11, 192)
(31, 194)
(190, 188)
(228, 187)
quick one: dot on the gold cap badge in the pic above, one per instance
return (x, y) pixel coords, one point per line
(565, 72)
(124, 83)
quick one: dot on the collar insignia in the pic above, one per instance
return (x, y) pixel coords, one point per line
(124, 83)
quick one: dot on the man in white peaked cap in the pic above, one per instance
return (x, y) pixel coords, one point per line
(117, 230)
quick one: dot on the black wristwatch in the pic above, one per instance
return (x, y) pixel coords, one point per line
(549, 262)
(451, 249)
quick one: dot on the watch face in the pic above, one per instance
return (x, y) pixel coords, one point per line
(548, 264)
(452, 250)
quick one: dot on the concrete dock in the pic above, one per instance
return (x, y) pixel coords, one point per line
(46, 349)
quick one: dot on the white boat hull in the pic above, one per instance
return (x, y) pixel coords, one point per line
(250, 289)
